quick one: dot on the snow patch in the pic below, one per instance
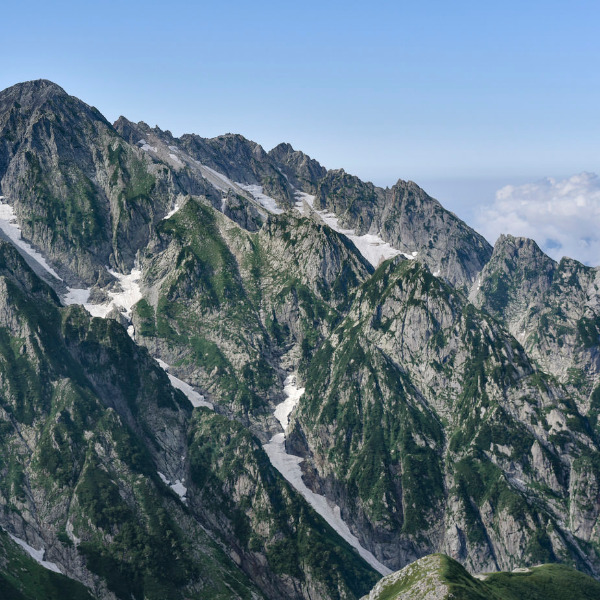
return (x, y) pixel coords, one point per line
(289, 467)
(293, 395)
(218, 180)
(193, 396)
(172, 211)
(37, 555)
(371, 246)
(10, 228)
(76, 296)
(174, 148)
(145, 146)
(131, 293)
(257, 193)
(176, 158)
(124, 300)
(177, 487)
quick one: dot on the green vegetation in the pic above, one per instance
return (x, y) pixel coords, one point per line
(546, 582)
(22, 578)
(73, 211)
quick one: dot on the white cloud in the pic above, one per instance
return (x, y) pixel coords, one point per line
(563, 217)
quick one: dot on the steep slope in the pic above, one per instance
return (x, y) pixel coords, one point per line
(427, 423)
(80, 192)
(23, 578)
(438, 577)
(405, 216)
(105, 467)
(224, 306)
(553, 309)
(87, 421)
(424, 419)
(201, 171)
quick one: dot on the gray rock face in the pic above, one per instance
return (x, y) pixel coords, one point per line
(81, 194)
(553, 309)
(92, 434)
(411, 221)
(282, 286)
(300, 170)
(432, 429)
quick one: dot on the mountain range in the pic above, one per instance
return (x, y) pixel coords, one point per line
(232, 373)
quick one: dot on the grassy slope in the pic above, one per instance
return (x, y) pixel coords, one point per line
(431, 573)
(22, 578)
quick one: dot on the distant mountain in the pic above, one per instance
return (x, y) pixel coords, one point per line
(441, 395)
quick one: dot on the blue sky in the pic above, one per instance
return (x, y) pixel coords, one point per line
(438, 92)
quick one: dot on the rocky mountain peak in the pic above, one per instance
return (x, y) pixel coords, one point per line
(30, 93)
(282, 150)
(522, 246)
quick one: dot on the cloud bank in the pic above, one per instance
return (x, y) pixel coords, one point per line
(563, 217)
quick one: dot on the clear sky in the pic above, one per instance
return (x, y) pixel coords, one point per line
(433, 91)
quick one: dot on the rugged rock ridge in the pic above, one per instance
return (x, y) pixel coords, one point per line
(450, 248)
(301, 170)
(262, 295)
(553, 309)
(104, 188)
(81, 194)
(225, 161)
(410, 220)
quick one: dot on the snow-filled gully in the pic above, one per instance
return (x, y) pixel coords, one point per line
(373, 248)
(289, 466)
(37, 555)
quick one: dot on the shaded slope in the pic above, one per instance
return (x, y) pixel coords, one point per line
(22, 578)
(80, 192)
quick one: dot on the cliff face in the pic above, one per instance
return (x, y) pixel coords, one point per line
(435, 422)
(552, 308)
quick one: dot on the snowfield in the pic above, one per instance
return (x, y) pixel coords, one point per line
(289, 467)
(372, 247)
(37, 555)
(193, 396)
(146, 147)
(257, 193)
(123, 301)
(10, 228)
(177, 487)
